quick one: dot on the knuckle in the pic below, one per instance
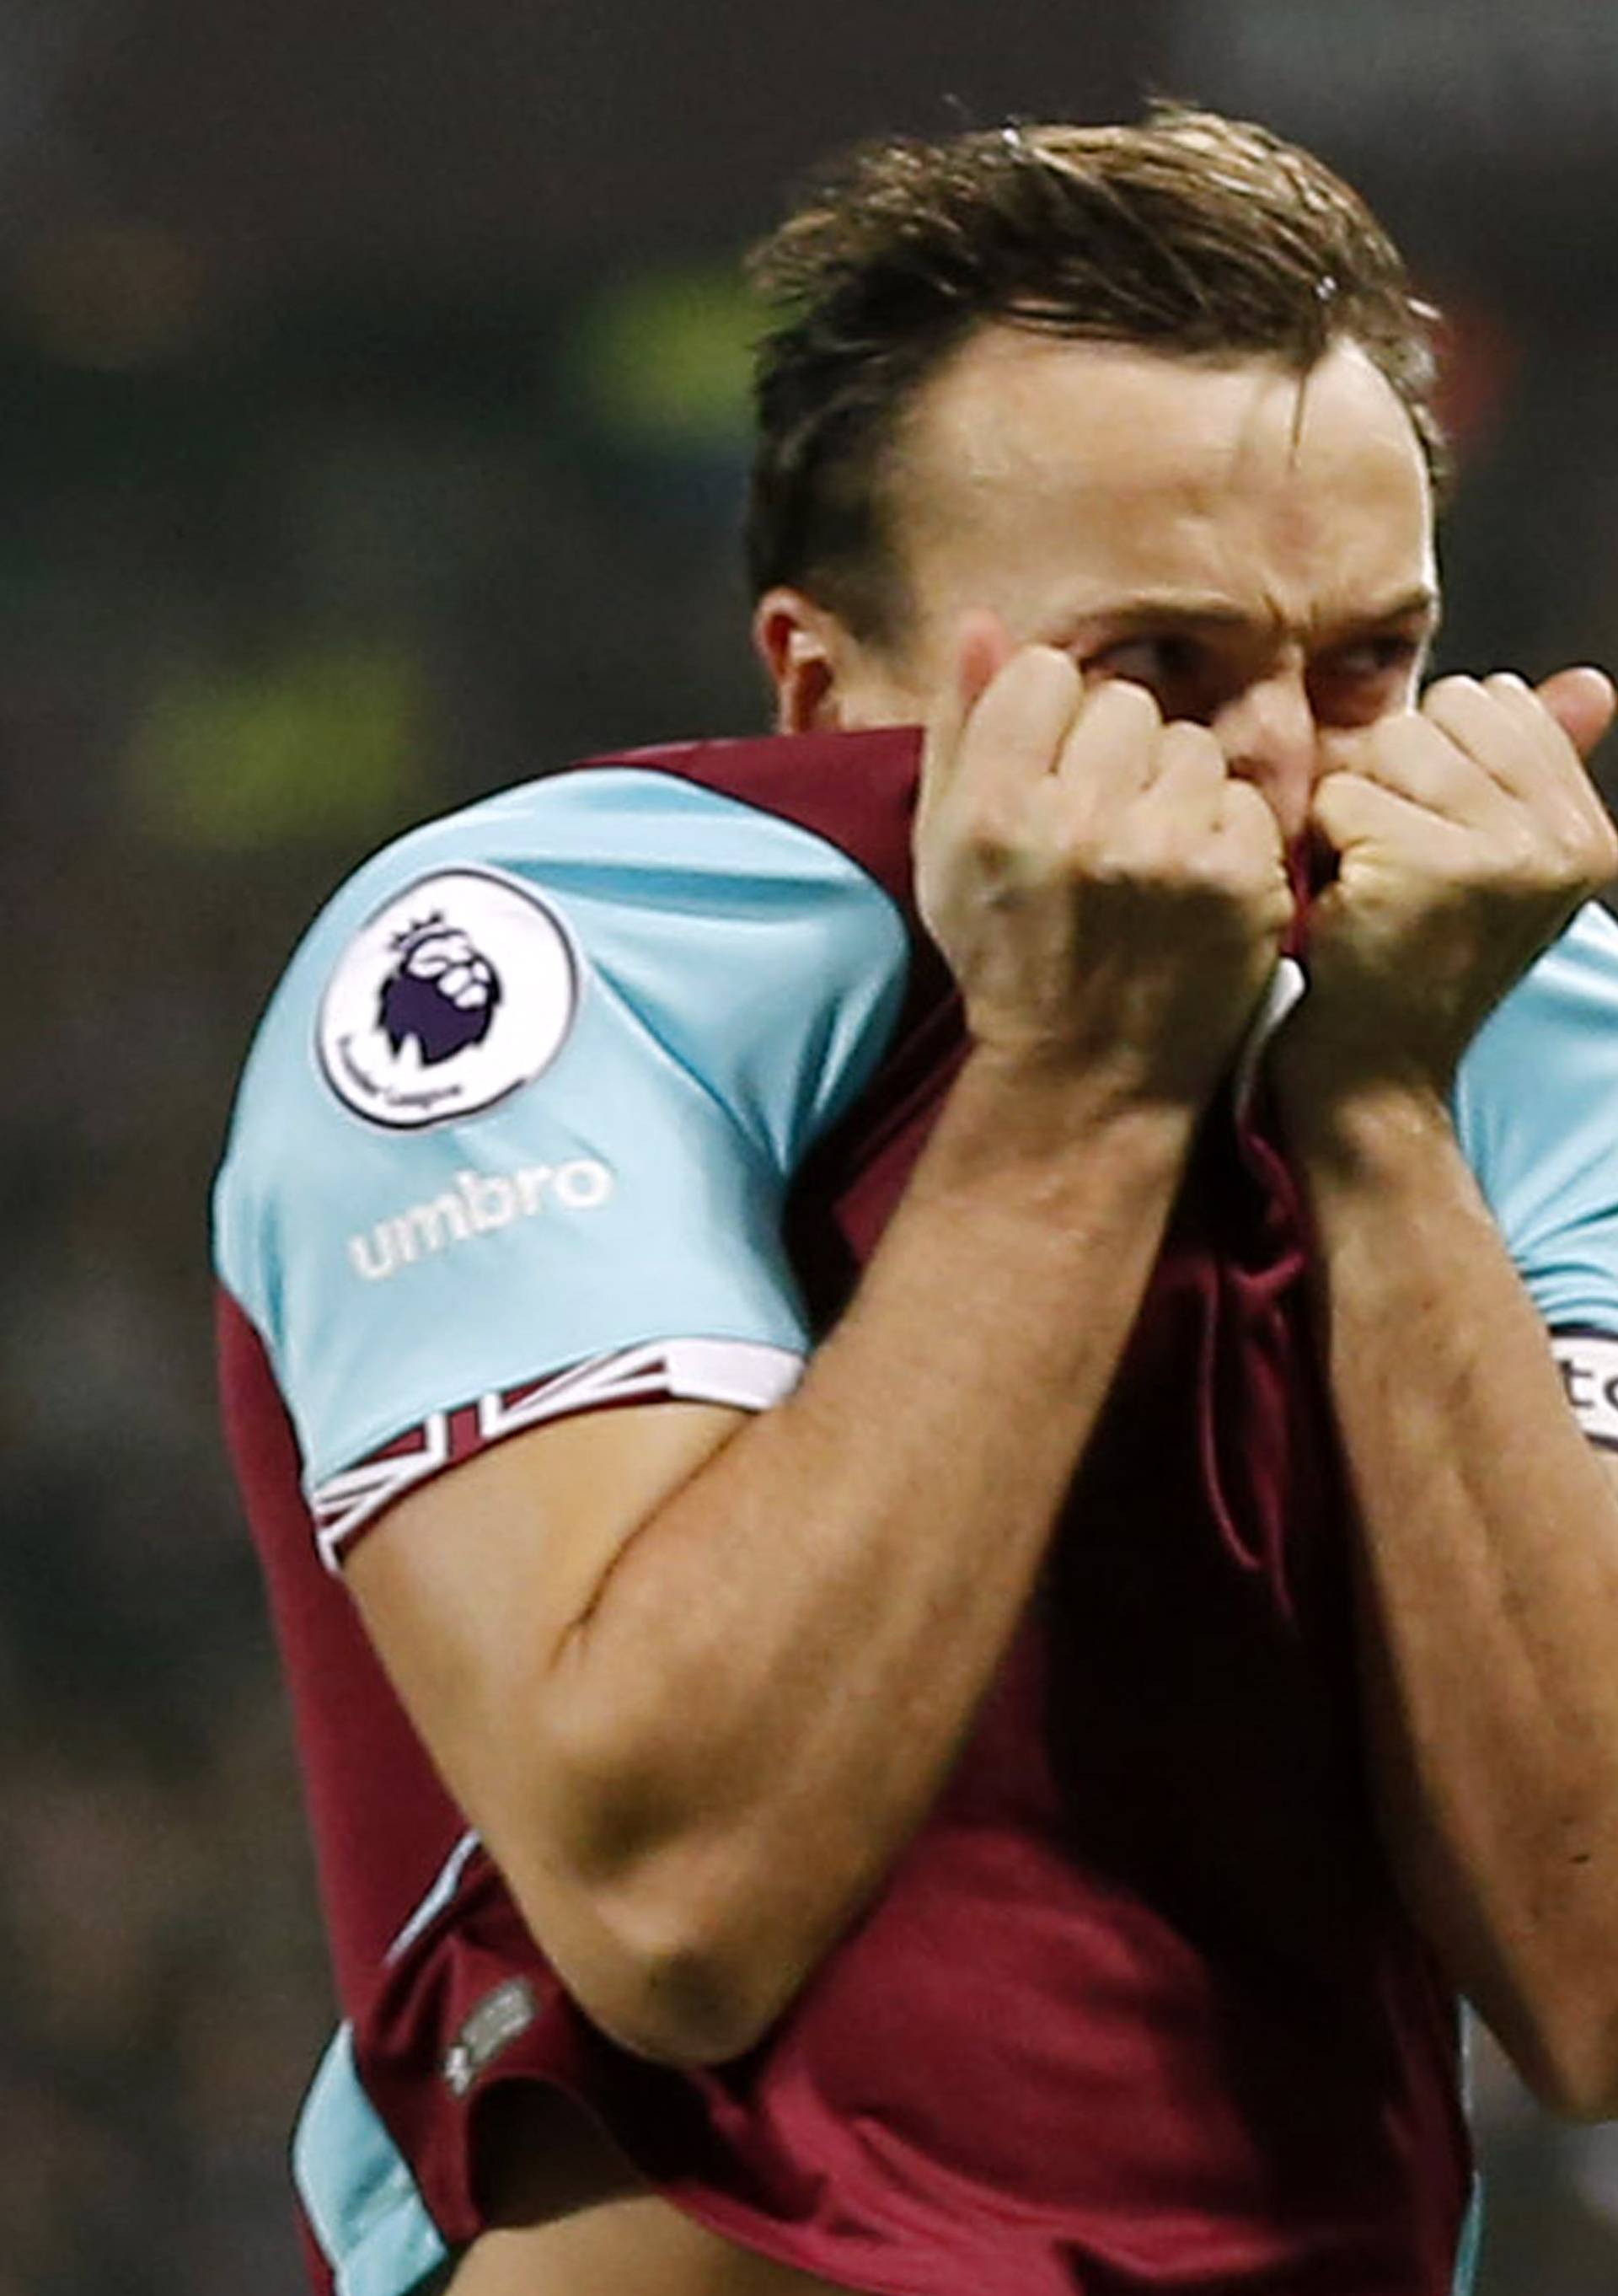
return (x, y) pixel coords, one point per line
(1524, 853)
(1121, 704)
(1239, 867)
(983, 827)
(1457, 687)
(1046, 669)
(1245, 803)
(1333, 797)
(1600, 833)
(1584, 846)
(1195, 748)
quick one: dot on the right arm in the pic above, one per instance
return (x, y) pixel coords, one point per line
(698, 1678)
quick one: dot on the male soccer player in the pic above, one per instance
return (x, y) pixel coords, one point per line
(915, 1455)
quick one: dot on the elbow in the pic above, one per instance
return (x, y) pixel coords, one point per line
(683, 2000)
(663, 1905)
(682, 2009)
(658, 1968)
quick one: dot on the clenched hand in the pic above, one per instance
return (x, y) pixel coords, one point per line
(1107, 895)
(1466, 833)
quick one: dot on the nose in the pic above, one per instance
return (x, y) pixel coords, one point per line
(1270, 738)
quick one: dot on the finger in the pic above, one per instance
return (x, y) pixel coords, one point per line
(1532, 760)
(1245, 816)
(1423, 761)
(1245, 828)
(1465, 756)
(1113, 749)
(1351, 811)
(1201, 811)
(1519, 735)
(1583, 701)
(1549, 764)
(1011, 733)
(1497, 725)
(1186, 772)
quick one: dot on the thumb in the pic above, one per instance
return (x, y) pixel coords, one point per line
(1582, 702)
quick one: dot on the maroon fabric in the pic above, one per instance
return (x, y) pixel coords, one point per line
(322, 2279)
(382, 1824)
(1138, 2009)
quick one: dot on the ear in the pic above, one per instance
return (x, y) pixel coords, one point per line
(802, 648)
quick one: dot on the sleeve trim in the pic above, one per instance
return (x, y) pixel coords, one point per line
(747, 1373)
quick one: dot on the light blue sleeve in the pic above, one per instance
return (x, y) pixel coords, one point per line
(1536, 1108)
(530, 1096)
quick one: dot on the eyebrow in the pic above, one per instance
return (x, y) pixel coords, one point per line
(1215, 611)
(1422, 601)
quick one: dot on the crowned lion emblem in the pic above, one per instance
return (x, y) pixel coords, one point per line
(442, 990)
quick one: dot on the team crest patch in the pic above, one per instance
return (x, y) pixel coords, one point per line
(457, 993)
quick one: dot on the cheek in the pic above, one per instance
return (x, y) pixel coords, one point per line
(901, 681)
(872, 692)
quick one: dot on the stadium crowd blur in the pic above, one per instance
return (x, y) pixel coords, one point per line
(288, 560)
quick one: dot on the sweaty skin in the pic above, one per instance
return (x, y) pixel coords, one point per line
(1165, 620)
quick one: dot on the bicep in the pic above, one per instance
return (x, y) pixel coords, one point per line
(469, 1586)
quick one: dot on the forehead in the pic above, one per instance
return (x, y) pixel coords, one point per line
(1031, 465)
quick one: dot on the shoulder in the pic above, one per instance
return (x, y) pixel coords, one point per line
(717, 820)
(1536, 1107)
(552, 1061)
(709, 886)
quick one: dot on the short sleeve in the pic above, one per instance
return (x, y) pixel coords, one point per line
(1536, 1108)
(517, 1131)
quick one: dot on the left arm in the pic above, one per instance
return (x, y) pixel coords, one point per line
(1488, 1563)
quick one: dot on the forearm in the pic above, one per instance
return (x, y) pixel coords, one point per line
(762, 1700)
(1489, 1570)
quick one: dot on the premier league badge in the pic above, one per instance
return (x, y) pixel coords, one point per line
(454, 995)
(443, 991)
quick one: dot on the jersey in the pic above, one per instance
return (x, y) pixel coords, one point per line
(603, 1090)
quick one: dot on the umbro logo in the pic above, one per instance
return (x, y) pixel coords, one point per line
(479, 1204)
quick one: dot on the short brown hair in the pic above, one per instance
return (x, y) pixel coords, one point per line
(1190, 233)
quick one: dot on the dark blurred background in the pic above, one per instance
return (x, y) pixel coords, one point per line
(375, 434)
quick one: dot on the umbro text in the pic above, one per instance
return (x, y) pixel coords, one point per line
(479, 1203)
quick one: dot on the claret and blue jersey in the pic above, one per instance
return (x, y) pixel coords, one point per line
(602, 1091)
